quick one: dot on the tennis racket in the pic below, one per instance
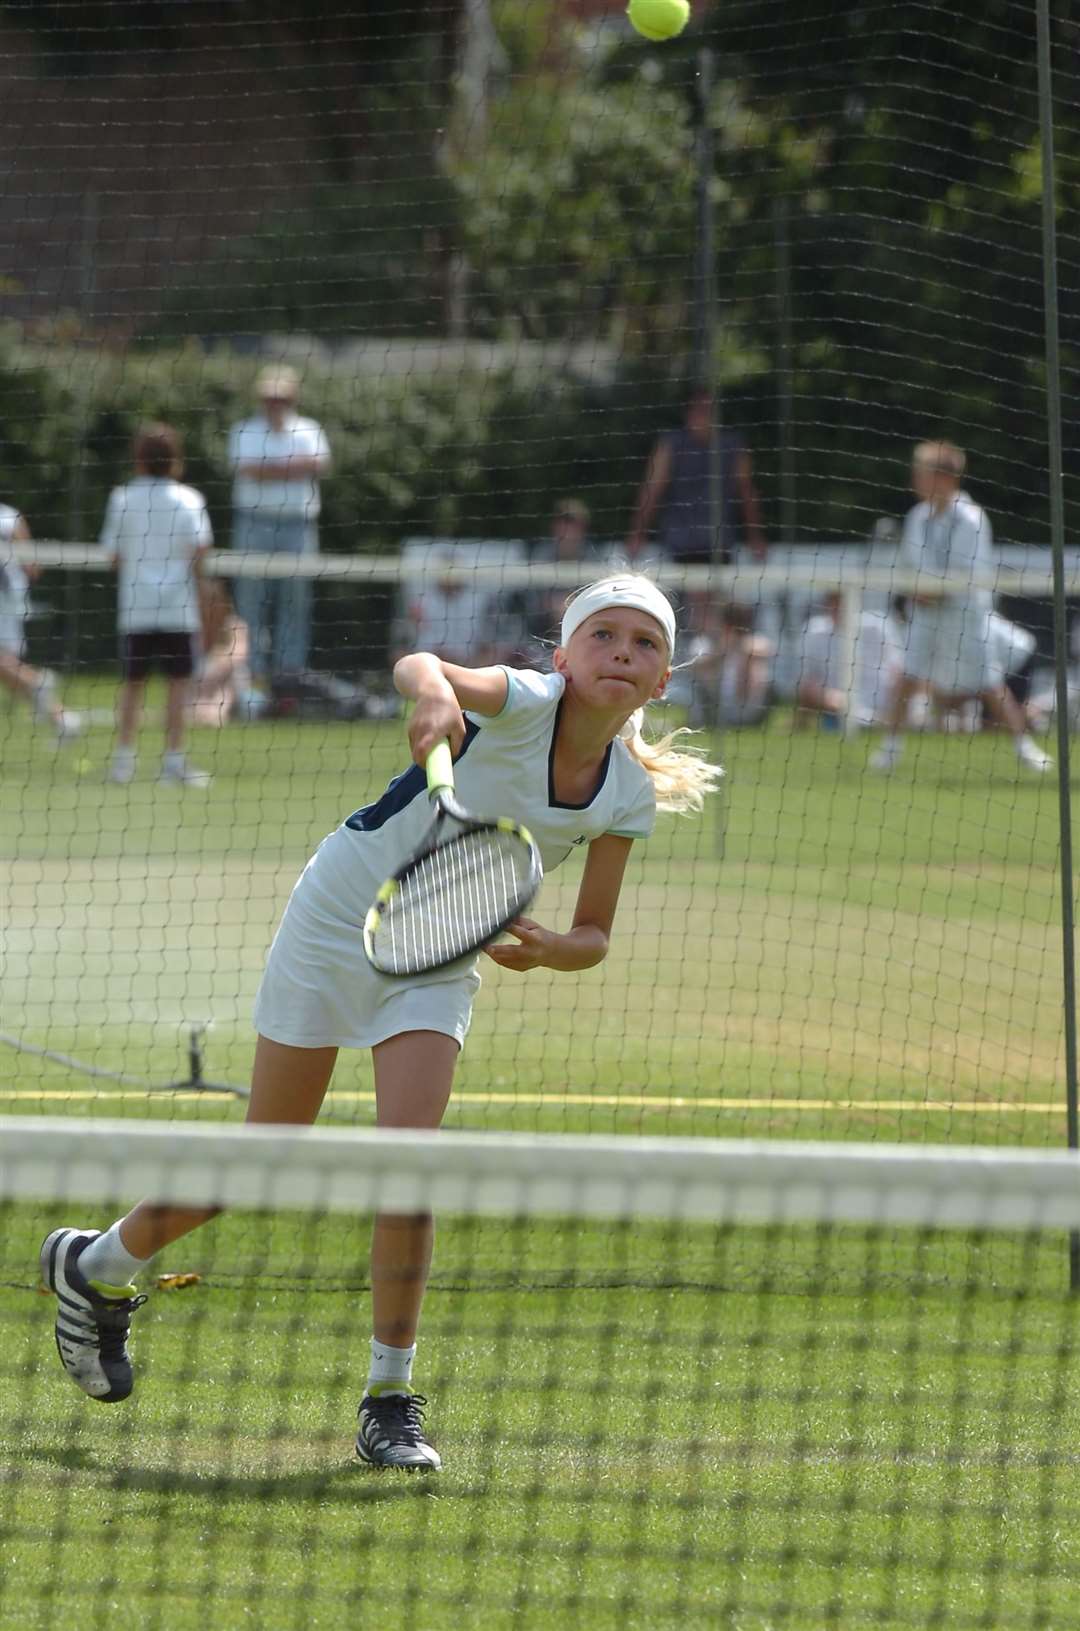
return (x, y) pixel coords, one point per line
(469, 879)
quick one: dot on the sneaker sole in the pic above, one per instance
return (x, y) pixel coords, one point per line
(366, 1460)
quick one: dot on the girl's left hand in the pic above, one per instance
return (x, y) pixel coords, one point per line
(534, 943)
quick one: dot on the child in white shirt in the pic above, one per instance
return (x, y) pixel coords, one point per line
(36, 685)
(156, 531)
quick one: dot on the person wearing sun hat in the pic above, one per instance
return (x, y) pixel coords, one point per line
(278, 459)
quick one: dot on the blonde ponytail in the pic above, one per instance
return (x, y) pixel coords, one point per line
(682, 777)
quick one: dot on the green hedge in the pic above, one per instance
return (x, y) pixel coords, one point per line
(475, 454)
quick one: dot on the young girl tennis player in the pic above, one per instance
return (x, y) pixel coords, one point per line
(561, 752)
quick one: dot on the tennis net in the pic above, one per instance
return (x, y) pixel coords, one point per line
(645, 1417)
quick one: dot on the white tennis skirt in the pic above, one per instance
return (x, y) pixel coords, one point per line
(319, 990)
(949, 647)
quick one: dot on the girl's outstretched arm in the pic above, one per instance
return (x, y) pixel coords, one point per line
(586, 944)
(440, 691)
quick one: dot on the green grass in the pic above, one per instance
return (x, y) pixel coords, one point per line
(889, 1452)
(824, 953)
(761, 1430)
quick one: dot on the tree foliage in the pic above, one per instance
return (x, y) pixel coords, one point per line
(892, 150)
(917, 273)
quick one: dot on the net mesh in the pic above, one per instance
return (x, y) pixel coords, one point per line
(645, 1414)
(499, 240)
(502, 242)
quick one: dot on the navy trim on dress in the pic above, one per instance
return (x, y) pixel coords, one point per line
(402, 790)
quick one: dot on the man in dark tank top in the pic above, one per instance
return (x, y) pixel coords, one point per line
(675, 493)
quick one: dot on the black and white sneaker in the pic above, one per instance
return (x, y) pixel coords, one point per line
(392, 1433)
(93, 1320)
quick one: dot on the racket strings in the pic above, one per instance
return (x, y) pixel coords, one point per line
(453, 900)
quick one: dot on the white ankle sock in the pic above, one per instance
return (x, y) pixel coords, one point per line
(108, 1260)
(391, 1369)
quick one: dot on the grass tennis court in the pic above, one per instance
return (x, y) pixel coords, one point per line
(845, 1436)
(828, 953)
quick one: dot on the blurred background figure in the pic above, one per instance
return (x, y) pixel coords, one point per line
(534, 614)
(948, 647)
(223, 676)
(675, 493)
(732, 673)
(278, 460)
(37, 686)
(675, 498)
(823, 685)
(450, 616)
(156, 532)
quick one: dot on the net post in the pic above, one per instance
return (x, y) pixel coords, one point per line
(195, 1081)
(1057, 547)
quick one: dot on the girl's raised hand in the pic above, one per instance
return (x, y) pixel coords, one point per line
(434, 719)
(534, 943)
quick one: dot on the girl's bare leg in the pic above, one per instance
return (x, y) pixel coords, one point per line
(129, 712)
(288, 1086)
(17, 676)
(414, 1073)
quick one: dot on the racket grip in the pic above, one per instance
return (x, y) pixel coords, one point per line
(440, 769)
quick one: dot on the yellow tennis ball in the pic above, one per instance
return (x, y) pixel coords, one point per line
(659, 19)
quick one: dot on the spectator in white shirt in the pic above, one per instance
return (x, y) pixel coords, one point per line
(451, 618)
(278, 460)
(156, 532)
(948, 648)
(733, 673)
(878, 659)
(36, 685)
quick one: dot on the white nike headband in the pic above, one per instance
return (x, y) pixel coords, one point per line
(639, 594)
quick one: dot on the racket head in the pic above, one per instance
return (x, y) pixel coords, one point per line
(453, 897)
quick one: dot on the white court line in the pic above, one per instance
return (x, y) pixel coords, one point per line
(608, 1101)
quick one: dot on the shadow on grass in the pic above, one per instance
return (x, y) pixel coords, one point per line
(971, 781)
(1019, 784)
(344, 1484)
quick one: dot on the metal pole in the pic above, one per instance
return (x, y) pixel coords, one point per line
(77, 482)
(789, 606)
(87, 294)
(785, 411)
(705, 349)
(1057, 545)
(705, 314)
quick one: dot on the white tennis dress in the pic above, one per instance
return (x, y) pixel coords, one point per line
(318, 989)
(947, 644)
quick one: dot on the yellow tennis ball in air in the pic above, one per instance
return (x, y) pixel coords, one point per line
(659, 19)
